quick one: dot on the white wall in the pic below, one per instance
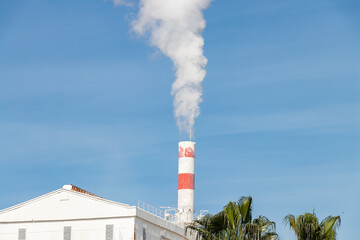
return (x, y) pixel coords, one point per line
(156, 228)
(154, 232)
(80, 230)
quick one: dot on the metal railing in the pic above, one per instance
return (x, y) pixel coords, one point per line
(168, 214)
(151, 209)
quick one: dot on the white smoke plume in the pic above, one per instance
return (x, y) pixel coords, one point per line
(175, 27)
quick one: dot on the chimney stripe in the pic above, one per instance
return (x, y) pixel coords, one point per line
(186, 181)
(186, 165)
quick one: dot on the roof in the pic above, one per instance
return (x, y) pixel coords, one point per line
(66, 188)
(77, 189)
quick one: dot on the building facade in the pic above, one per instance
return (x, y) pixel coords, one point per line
(71, 213)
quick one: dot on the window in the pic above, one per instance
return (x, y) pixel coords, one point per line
(22, 234)
(109, 235)
(144, 234)
(67, 233)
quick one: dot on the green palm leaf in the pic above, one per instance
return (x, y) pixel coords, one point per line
(307, 226)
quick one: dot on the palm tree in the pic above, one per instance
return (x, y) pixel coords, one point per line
(209, 227)
(307, 226)
(260, 229)
(233, 223)
(237, 215)
(201, 228)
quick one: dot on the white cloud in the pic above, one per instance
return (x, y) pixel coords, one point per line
(123, 3)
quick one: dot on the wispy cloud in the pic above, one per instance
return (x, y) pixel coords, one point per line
(123, 3)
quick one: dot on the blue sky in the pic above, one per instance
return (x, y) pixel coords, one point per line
(85, 101)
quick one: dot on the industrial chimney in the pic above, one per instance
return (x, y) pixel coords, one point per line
(185, 211)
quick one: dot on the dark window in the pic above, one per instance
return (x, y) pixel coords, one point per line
(109, 232)
(22, 234)
(144, 234)
(67, 233)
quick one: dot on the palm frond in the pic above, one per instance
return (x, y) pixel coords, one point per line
(290, 220)
(270, 236)
(329, 226)
(245, 207)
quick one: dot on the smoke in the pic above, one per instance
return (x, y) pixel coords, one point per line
(175, 27)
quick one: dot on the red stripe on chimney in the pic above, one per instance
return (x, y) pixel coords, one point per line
(186, 181)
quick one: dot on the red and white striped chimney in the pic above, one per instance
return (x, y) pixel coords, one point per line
(186, 182)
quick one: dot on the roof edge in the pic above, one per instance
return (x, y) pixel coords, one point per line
(83, 194)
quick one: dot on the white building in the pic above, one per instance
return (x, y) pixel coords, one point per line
(71, 213)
